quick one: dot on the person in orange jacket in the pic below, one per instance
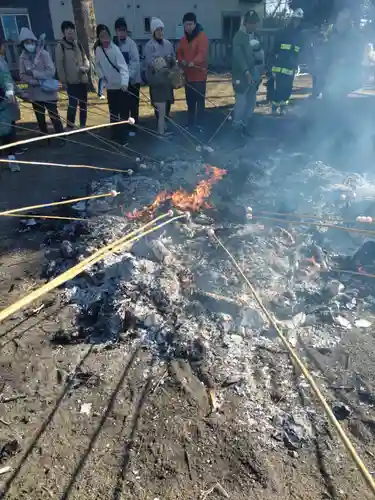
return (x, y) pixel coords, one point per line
(192, 55)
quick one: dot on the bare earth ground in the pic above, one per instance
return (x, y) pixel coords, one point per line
(150, 434)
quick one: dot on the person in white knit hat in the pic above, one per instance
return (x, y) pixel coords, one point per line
(155, 48)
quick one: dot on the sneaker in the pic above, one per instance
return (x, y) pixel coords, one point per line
(13, 167)
(132, 134)
(102, 97)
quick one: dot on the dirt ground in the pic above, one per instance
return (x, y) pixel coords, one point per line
(150, 433)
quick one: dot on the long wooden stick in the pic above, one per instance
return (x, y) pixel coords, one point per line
(64, 134)
(112, 194)
(65, 165)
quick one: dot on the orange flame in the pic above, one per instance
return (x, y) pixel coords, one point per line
(183, 200)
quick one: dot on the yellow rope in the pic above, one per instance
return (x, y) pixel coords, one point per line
(293, 354)
(65, 165)
(57, 203)
(89, 261)
(62, 134)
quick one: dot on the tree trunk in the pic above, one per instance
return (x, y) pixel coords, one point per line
(84, 15)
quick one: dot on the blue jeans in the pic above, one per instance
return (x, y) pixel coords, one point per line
(101, 87)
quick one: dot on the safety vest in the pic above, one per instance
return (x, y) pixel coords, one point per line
(287, 51)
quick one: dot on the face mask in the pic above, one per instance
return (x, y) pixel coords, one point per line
(105, 44)
(30, 47)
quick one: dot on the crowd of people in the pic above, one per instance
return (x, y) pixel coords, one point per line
(122, 71)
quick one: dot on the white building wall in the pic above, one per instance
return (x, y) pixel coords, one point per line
(61, 10)
(209, 13)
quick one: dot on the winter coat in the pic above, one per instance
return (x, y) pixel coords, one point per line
(111, 66)
(71, 60)
(194, 49)
(129, 50)
(287, 47)
(154, 49)
(33, 69)
(246, 57)
(9, 112)
(160, 83)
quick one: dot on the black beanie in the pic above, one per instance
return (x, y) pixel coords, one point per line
(190, 17)
(100, 28)
(121, 24)
(66, 25)
(251, 17)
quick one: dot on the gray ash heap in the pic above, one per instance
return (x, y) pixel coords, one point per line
(178, 293)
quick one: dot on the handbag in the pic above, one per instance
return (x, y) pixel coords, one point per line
(177, 78)
(50, 85)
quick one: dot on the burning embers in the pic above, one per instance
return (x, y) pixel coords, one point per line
(183, 200)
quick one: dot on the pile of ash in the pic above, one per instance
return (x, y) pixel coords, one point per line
(180, 295)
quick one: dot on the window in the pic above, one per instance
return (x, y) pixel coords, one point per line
(147, 24)
(12, 24)
(231, 25)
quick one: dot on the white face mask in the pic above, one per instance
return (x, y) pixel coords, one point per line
(30, 47)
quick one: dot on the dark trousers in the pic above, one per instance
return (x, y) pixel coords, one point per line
(283, 89)
(134, 101)
(195, 100)
(77, 93)
(8, 139)
(270, 88)
(118, 104)
(40, 109)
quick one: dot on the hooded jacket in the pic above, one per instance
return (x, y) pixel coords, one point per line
(194, 49)
(35, 67)
(72, 63)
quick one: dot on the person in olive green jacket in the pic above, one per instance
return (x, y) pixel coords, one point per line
(247, 69)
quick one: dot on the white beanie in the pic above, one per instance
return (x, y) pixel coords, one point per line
(26, 34)
(156, 24)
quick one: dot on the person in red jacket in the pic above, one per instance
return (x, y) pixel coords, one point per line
(192, 55)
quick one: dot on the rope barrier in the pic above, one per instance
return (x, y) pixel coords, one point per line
(112, 194)
(85, 145)
(64, 134)
(104, 140)
(89, 261)
(188, 135)
(147, 130)
(115, 147)
(293, 354)
(65, 165)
